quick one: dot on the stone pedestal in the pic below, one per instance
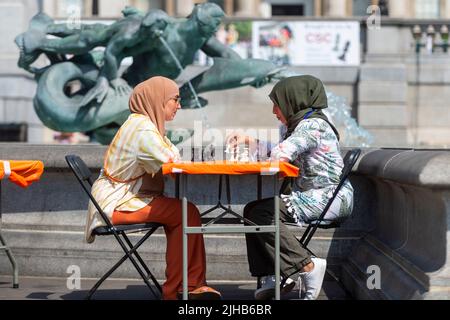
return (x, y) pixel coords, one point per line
(409, 243)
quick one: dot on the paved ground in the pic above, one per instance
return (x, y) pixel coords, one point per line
(37, 288)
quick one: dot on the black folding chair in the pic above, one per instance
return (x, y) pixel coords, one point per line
(83, 175)
(350, 160)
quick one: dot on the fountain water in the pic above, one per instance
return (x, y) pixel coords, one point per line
(351, 133)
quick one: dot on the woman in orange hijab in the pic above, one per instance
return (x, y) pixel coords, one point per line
(131, 186)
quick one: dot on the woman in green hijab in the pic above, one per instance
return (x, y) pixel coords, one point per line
(311, 142)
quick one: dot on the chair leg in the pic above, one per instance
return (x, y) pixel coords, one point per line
(138, 256)
(127, 255)
(105, 276)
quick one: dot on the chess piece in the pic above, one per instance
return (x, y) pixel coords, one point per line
(244, 155)
(338, 40)
(231, 153)
(209, 153)
(343, 57)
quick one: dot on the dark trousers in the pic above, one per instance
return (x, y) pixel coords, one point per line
(261, 247)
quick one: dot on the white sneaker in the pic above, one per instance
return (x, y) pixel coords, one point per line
(313, 280)
(267, 290)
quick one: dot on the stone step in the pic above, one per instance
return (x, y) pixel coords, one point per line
(51, 252)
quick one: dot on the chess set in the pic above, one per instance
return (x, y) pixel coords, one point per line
(240, 153)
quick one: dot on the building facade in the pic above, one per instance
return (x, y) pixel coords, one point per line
(399, 96)
(428, 9)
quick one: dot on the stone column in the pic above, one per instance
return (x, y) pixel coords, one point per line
(400, 8)
(247, 8)
(265, 10)
(229, 7)
(111, 9)
(446, 9)
(318, 8)
(336, 8)
(170, 7)
(184, 7)
(49, 7)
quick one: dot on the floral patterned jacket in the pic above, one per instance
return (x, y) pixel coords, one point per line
(316, 146)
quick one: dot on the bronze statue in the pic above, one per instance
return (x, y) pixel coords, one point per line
(158, 44)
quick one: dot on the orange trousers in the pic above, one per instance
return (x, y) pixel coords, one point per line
(167, 211)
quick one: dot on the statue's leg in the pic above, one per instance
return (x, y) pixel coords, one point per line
(75, 44)
(74, 41)
(63, 30)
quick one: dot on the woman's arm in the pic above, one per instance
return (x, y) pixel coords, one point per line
(304, 138)
(153, 151)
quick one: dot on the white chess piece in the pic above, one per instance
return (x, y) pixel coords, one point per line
(209, 153)
(231, 153)
(244, 156)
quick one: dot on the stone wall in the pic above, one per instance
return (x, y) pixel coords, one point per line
(410, 240)
(400, 223)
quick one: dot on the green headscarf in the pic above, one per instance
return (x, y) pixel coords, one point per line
(299, 97)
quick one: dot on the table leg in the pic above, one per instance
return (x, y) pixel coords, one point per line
(181, 190)
(259, 187)
(4, 246)
(277, 247)
(177, 186)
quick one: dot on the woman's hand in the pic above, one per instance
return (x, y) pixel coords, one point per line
(235, 139)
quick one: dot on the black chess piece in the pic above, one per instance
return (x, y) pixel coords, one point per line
(343, 57)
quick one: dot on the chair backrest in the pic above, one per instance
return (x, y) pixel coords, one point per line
(84, 177)
(350, 160)
(79, 168)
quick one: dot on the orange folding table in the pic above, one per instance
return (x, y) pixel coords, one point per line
(226, 168)
(23, 174)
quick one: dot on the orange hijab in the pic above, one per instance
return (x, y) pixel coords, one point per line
(149, 97)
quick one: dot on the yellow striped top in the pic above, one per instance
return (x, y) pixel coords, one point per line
(138, 148)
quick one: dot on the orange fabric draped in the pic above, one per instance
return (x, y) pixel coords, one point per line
(22, 173)
(232, 168)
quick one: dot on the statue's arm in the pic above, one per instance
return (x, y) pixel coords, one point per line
(109, 72)
(215, 48)
(112, 55)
